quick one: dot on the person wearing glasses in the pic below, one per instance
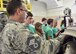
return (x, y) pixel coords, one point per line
(12, 33)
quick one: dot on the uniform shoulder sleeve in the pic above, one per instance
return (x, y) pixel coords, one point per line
(14, 39)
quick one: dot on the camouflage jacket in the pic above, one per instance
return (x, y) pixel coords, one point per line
(18, 40)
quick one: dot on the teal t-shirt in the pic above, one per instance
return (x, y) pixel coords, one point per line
(49, 32)
(44, 27)
(31, 28)
(62, 27)
(55, 30)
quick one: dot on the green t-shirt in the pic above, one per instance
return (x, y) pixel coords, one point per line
(62, 27)
(49, 32)
(43, 27)
(31, 28)
(55, 30)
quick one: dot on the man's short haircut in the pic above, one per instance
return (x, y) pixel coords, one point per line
(43, 19)
(13, 5)
(29, 14)
(49, 21)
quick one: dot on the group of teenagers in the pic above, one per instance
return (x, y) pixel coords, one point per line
(47, 28)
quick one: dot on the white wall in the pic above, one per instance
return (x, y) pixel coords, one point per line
(55, 12)
(39, 10)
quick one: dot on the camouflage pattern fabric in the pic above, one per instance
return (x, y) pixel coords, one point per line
(3, 20)
(0, 44)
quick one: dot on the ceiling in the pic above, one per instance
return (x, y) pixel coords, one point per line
(52, 3)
